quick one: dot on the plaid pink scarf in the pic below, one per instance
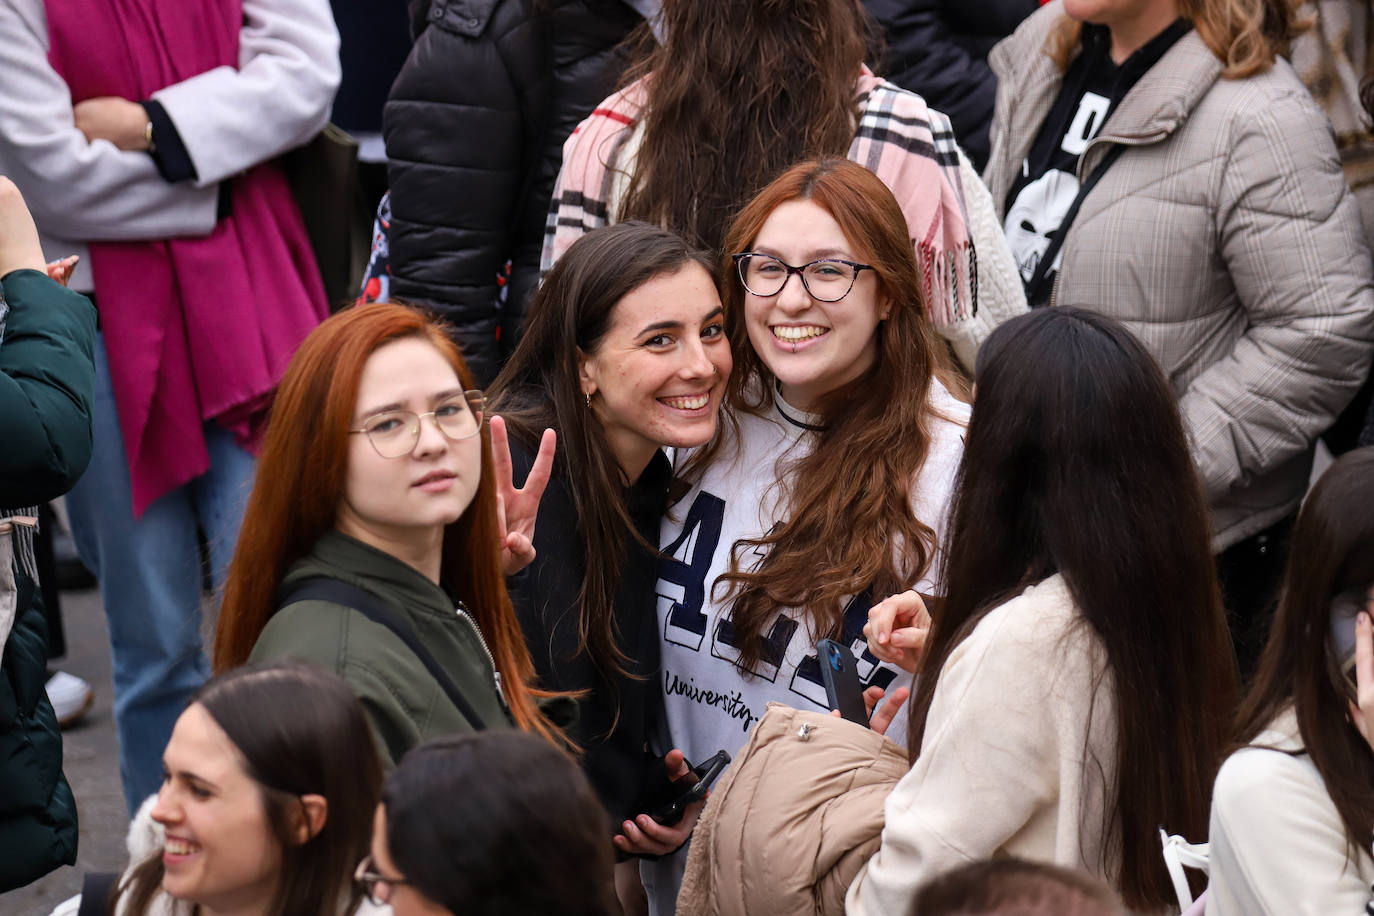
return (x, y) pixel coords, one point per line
(910, 147)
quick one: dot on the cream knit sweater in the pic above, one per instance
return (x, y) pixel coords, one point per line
(1018, 758)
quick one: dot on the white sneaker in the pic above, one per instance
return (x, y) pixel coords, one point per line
(71, 697)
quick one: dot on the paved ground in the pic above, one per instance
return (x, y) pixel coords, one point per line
(90, 764)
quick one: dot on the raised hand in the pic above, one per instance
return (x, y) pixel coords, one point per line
(517, 509)
(61, 271)
(897, 629)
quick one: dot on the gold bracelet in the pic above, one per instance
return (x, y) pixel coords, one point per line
(148, 135)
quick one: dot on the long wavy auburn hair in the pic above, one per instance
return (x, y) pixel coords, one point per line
(540, 388)
(318, 744)
(1332, 553)
(1245, 35)
(738, 91)
(300, 484)
(1076, 463)
(847, 524)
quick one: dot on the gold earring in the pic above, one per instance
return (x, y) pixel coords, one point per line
(588, 396)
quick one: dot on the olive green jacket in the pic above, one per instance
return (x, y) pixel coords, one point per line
(404, 704)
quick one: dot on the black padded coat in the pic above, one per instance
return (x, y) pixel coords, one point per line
(474, 128)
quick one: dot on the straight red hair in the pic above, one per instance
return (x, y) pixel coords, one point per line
(300, 483)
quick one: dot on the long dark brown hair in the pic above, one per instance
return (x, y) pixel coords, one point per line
(1332, 553)
(540, 388)
(1076, 463)
(319, 743)
(738, 91)
(848, 502)
(300, 484)
(1245, 35)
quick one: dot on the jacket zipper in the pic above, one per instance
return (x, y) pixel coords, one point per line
(462, 613)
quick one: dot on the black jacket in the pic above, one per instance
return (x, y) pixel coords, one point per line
(47, 384)
(618, 714)
(939, 50)
(474, 128)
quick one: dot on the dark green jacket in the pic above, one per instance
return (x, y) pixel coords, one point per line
(404, 704)
(47, 382)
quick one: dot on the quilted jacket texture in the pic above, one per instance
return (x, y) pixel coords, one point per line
(1225, 237)
(47, 383)
(474, 128)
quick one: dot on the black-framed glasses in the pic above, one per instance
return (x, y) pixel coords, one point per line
(394, 433)
(376, 887)
(825, 279)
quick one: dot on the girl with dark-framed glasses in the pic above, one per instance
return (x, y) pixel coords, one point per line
(827, 486)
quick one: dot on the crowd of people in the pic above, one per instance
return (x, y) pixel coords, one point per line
(687, 342)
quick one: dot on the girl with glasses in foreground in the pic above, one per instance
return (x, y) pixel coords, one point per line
(269, 784)
(376, 501)
(533, 840)
(827, 486)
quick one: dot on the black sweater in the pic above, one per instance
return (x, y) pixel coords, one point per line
(545, 595)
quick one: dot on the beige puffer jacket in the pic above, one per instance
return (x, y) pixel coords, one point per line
(822, 822)
(1225, 237)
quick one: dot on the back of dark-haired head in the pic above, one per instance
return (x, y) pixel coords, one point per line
(495, 823)
(740, 90)
(1015, 887)
(299, 730)
(1331, 554)
(540, 388)
(1076, 463)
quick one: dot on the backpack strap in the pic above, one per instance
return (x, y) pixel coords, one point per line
(324, 588)
(1035, 285)
(96, 890)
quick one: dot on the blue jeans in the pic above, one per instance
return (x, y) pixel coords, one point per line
(150, 579)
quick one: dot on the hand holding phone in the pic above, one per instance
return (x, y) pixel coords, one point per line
(705, 774)
(840, 674)
(644, 835)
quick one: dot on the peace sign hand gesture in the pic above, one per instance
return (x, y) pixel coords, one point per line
(517, 509)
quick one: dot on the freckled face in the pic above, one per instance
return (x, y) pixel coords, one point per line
(658, 373)
(387, 498)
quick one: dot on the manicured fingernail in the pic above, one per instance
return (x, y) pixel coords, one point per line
(1362, 620)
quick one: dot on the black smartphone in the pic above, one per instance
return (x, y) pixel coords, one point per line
(840, 674)
(706, 774)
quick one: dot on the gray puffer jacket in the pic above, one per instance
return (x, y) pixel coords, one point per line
(1225, 237)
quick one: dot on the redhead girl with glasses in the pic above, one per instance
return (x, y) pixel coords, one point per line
(377, 486)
